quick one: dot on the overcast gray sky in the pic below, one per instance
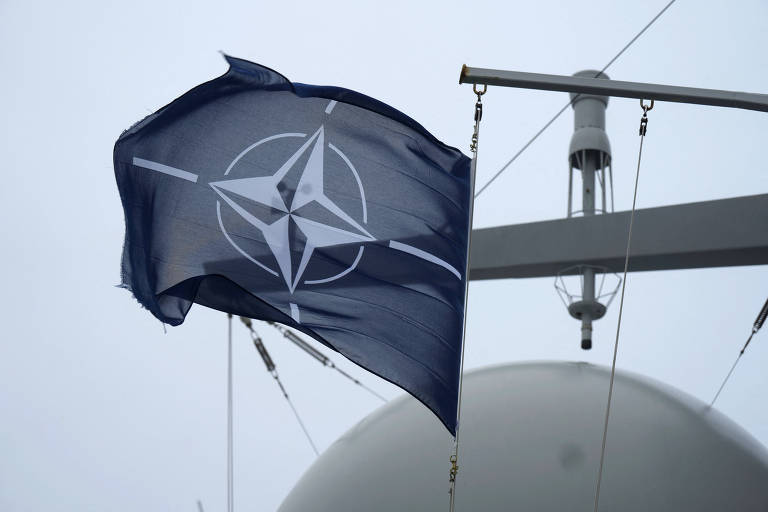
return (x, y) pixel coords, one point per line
(103, 411)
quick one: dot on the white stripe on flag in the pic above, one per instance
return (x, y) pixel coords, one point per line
(165, 169)
(295, 312)
(425, 256)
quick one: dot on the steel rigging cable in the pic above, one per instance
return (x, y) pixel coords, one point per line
(759, 321)
(262, 350)
(319, 356)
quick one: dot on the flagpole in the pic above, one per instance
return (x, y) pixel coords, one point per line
(472, 172)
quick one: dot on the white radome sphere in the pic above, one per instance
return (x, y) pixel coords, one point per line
(530, 441)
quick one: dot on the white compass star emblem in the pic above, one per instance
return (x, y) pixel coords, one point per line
(266, 191)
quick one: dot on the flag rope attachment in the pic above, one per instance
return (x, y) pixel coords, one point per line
(316, 354)
(454, 459)
(643, 129)
(230, 451)
(272, 369)
(759, 321)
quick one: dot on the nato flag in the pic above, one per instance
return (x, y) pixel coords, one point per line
(316, 207)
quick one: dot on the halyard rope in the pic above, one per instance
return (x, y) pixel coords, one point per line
(454, 459)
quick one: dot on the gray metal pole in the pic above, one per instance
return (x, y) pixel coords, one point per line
(588, 168)
(586, 316)
(588, 276)
(695, 235)
(586, 85)
(590, 152)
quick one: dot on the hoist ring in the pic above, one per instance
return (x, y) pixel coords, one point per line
(646, 107)
(479, 93)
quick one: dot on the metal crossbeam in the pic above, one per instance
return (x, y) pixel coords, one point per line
(721, 233)
(599, 86)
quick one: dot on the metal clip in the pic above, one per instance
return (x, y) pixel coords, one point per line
(643, 125)
(478, 115)
(473, 144)
(645, 107)
(479, 104)
(644, 119)
(478, 110)
(454, 469)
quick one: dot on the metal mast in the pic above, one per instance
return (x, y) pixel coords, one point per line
(590, 152)
(693, 235)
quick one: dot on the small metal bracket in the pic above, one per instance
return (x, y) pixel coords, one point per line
(644, 119)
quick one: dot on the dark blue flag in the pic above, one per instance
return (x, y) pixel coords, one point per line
(316, 207)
